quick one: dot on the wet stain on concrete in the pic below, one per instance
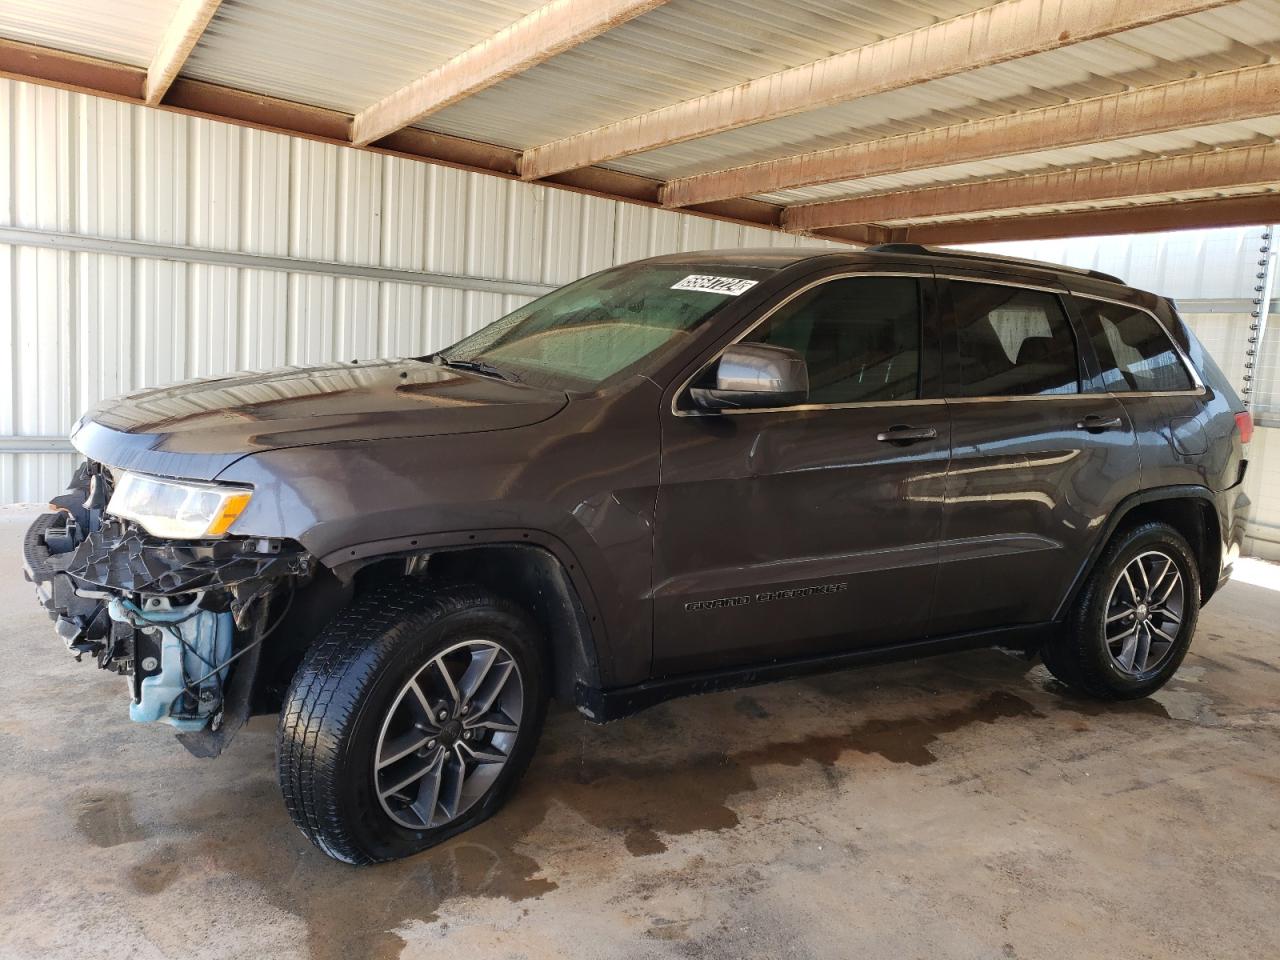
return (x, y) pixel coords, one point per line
(155, 874)
(906, 740)
(106, 819)
(750, 707)
(668, 929)
(355, 911)
(643, 842)
(1215, 664)
(1256, 661)
(1074, 702)
(348, 911)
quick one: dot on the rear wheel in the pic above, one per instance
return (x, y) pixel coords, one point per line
(410, 720)
(1132, 624)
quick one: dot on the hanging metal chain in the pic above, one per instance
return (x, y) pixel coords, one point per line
(1262, 293)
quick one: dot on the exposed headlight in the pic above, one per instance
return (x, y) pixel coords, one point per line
(177, 510)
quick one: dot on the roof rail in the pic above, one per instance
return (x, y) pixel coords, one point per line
(920, 250)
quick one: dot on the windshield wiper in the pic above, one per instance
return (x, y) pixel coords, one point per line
(476, 366)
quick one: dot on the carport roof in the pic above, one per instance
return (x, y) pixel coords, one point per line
(940, 121)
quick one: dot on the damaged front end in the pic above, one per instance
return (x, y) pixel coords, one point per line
(184, 620)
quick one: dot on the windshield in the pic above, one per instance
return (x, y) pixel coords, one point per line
(582, 334)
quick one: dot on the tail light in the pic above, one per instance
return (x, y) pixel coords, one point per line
(1244, 423)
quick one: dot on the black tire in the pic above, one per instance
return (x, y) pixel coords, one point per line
(1079, 655)
(347, 685)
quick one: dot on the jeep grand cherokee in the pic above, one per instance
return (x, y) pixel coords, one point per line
(679, 475)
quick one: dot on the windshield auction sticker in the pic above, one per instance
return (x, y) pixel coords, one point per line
(726, 286)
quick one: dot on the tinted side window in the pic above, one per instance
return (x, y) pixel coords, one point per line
(1134, 351)
(1012, 342)
(860, 337)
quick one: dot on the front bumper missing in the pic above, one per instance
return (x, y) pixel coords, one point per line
(181, 619)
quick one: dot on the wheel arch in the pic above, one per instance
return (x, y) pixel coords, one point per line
(530, 568)
(1190, 509)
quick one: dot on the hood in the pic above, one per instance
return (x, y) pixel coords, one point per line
(197, 428)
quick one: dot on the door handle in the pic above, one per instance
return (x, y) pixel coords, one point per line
(1095, 423)
(903, 434)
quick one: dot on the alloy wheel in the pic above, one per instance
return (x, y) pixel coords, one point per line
(1144, 613)
(448, 734)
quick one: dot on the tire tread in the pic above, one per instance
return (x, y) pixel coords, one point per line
(328, 691)
(1071, 655)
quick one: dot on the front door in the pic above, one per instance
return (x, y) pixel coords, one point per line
(1041, 455)
(810, 529)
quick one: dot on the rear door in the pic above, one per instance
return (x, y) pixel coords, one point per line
(808, 529)
(1041, 453)
(1140, 364)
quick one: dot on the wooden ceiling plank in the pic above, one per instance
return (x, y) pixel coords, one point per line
(1209, 170)
(1148, 218)
(1002, 32)
(1227, 97)
(180, 38)
(533, 39)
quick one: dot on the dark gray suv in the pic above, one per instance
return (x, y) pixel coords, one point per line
(680, 475)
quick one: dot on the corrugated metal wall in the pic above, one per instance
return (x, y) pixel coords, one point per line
(76, 327)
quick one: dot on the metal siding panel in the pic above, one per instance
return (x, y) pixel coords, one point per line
(104, 330)
(105, 169)
(1262, 486)
(355, 321)
(1185, 265)
(264, 319)
(359, 200)
(9, 93)
(161, 317)
(311, 319)
(214, 323)
(161, 182)
(404, 197)
(1265, 399)
(10, 308)
(77, 327)
(214, 186)
(445, 314)
(265, 199)
(446, 219)
(402, 326)
(1226, 337)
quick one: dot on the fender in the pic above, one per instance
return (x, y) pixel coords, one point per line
(1187, 491)
(598, 657)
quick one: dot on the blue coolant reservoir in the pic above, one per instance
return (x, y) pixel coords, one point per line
(194, 644)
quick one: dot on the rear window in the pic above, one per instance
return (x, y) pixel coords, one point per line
(1012, 342)
(1133, 349)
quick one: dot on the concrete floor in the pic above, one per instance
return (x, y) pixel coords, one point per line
(957, 807)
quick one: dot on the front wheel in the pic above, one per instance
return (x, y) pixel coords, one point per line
(1132, 624)
(410, 720)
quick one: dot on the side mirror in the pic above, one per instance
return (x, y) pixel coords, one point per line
(755, 375)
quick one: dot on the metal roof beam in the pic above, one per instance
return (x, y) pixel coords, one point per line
(1233, 95)
(1004, 31)
(1145, 218)
(180, 38)
(531, 40)
(1212, 170)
